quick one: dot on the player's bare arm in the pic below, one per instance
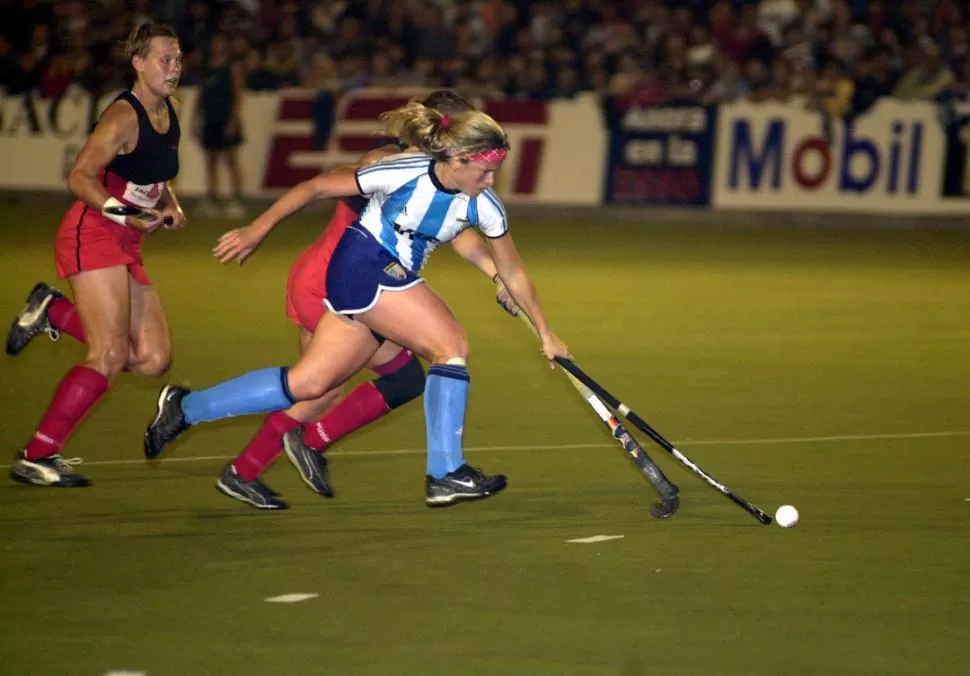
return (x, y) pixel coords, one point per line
(240, 243)
(512, 271)
(471, 247)
(115, 134)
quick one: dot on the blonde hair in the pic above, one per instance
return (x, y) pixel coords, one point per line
(443, 136)
(139, 41)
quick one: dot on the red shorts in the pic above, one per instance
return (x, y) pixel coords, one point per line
(306, 285)
(87, 240)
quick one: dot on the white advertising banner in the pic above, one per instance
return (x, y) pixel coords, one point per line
(558, 149)
(785, 157)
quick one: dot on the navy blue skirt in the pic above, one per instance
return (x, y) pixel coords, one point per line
(360, 270)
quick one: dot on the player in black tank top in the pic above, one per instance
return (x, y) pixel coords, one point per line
(155, 158)
(126, 163)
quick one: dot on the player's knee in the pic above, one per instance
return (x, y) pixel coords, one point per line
(153, 365)
(403, 385)
(109, 359)
(306, 385)
(456, 347)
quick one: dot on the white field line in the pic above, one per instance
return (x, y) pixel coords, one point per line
(564, 447)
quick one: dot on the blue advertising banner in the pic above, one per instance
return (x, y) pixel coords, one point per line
(661, 155)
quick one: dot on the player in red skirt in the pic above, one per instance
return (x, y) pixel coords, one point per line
(121, 181)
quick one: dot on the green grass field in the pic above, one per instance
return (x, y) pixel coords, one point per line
(822, 367)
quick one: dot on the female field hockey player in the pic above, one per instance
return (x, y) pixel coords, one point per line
(125, 165)
(417, 201)
(308, 428)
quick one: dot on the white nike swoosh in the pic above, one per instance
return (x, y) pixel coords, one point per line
(467, 483)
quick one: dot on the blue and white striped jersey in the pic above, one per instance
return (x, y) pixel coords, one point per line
(410, 213)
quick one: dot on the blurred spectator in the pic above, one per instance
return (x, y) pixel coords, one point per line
(649, 51)
(928, 79)
(258, 77)
(782, 82)
(8, 64)
(728, 85)
(756, 79)
(873, 80)
(568, 85)
(833, 90)
(64, 68)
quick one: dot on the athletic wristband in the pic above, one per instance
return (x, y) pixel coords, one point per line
(114, 203)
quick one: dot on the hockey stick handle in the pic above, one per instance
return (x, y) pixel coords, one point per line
(626, 441)
(582, 389)
(137, 212)
(570, 367)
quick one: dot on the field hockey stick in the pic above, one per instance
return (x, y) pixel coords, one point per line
(668, 491)
(570, 367)
(137, 212)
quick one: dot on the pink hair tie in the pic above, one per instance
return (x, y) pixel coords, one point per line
(493, 155)
(445, 121)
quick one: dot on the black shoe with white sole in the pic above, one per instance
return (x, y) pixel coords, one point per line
(32, 320)
(53, 470)
(311, 465)
(465, 483)
(254, 492)
(169, 422)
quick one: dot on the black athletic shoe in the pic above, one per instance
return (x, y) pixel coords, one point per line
(465, 483)
(311, 465)
(254, 492)
(169, 422)
(53, 470)
(32, 320)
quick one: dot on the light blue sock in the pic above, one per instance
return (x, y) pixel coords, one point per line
(260, 391)
(445, 400)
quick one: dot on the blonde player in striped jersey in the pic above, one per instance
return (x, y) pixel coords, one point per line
(416, 202)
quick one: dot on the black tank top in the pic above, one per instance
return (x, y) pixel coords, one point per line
(155, 158)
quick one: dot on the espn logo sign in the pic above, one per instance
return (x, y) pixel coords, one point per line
(294, 156)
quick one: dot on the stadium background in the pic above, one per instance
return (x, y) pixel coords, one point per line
(746, 218)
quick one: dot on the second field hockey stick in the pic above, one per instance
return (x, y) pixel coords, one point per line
(668, 491)
(641, 424)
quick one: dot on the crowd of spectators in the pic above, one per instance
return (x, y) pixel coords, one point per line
(837, 55)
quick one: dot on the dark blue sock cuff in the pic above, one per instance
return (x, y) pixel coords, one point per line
(449, 371)
(285, 384)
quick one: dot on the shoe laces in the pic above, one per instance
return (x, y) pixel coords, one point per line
(66, 465)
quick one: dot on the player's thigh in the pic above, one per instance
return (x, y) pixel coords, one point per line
(339, 348)
(418, 318)
(311, 409)
(151, 340)
(102, 300)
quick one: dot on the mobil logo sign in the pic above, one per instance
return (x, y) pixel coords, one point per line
(787, 157)
(851, 164)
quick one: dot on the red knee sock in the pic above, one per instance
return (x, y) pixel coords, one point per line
(264, 446)
(362, 406)
(63, 316)
(74, 397)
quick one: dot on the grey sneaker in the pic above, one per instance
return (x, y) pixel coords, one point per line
(311, 465)
(254, 492)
